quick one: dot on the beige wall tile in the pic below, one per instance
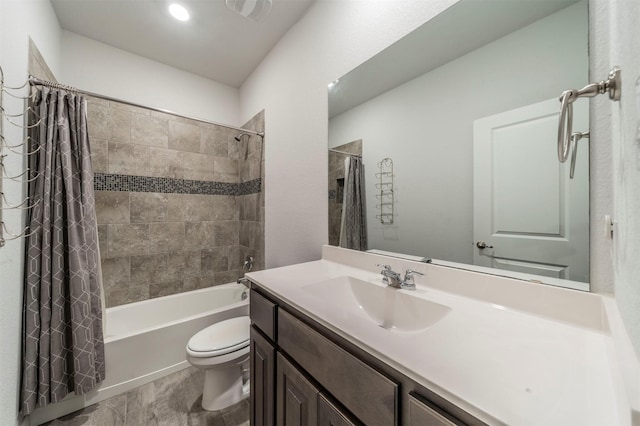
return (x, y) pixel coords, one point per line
(226, 277)
(148, 269)
(249, 234)
(165, 163)
(99, 155)
(196, 283)
(184, 264)
(177, 242)
(165, 288)
(250, 168)
(130, 108)
(112, 207)
(137, 294)
(199, 235)
(129, 295)
(120, 125)
(235, 261)
(216, 140)
(148, 207)
(198, 166)
(225, 169)
(223, 207)
(148, 130)
(166, 237)
(184, 137)
(115, 273)
(128, 159)
(248, 207)
(128, 239)
(226, 233)
(214, 260)
(168, 116)
(98, 121)
(236, 150)
(190, 208)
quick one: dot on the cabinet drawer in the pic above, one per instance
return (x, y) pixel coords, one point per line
(369, 395)
(422, 414)
(263, 314)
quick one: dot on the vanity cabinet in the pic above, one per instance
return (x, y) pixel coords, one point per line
(303, 374)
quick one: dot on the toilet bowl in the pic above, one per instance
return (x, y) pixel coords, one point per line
(222, 350)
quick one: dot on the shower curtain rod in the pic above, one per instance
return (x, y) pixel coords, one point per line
(345, 153)
(38, 82)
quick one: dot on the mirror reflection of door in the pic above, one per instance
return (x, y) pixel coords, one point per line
(532, 217)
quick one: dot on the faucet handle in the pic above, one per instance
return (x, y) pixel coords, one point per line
(408, 277)
(387, 267)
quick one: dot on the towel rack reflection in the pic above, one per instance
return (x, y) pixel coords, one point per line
(613, 86)
(385, 185)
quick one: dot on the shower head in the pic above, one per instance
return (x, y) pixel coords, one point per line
(239, 137)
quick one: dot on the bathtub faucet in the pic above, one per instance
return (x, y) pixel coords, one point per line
(248, 263)
(244, 281)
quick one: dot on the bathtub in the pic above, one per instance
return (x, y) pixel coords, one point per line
(146, 340)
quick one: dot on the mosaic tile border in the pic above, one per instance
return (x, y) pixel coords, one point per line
(131, 183)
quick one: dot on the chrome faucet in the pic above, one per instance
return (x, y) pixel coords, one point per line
(408, 282)
(393, 279)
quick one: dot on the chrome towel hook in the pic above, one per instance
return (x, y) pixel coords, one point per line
(613, 86)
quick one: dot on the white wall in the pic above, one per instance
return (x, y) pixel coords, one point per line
(291, 85)
(426, 127)
(100, 68)
(625, 137)
(19, 20)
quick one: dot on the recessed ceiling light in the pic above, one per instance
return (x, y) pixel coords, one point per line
(179, 12)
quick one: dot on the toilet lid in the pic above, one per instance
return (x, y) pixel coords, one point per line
(223, 337)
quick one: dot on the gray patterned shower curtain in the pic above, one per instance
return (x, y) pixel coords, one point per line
(63, 348)
(353, 234)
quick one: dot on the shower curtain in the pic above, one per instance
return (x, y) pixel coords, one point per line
(63, 348)
(353, 230)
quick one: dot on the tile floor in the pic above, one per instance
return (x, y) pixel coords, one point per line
(173, 400)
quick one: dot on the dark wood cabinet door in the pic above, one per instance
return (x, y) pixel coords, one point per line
(296, 397)
(330, 415)
(263, 386)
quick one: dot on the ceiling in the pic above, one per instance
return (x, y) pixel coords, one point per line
(215, 43)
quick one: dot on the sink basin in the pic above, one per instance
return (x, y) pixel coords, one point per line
(385, 306)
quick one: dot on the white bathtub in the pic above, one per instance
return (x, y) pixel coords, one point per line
(146, 340)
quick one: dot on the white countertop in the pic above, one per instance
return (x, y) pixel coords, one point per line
(508, 352)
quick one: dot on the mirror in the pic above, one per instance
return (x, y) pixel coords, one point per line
(466, 108)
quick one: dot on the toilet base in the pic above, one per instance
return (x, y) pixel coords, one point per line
(223, 388)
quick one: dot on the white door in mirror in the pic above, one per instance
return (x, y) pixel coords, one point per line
(524, 203)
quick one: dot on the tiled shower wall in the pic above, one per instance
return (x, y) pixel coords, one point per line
(177, 201)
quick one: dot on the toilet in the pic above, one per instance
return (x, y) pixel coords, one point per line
(222, 350)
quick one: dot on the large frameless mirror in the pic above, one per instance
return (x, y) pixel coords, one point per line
(466, 109)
